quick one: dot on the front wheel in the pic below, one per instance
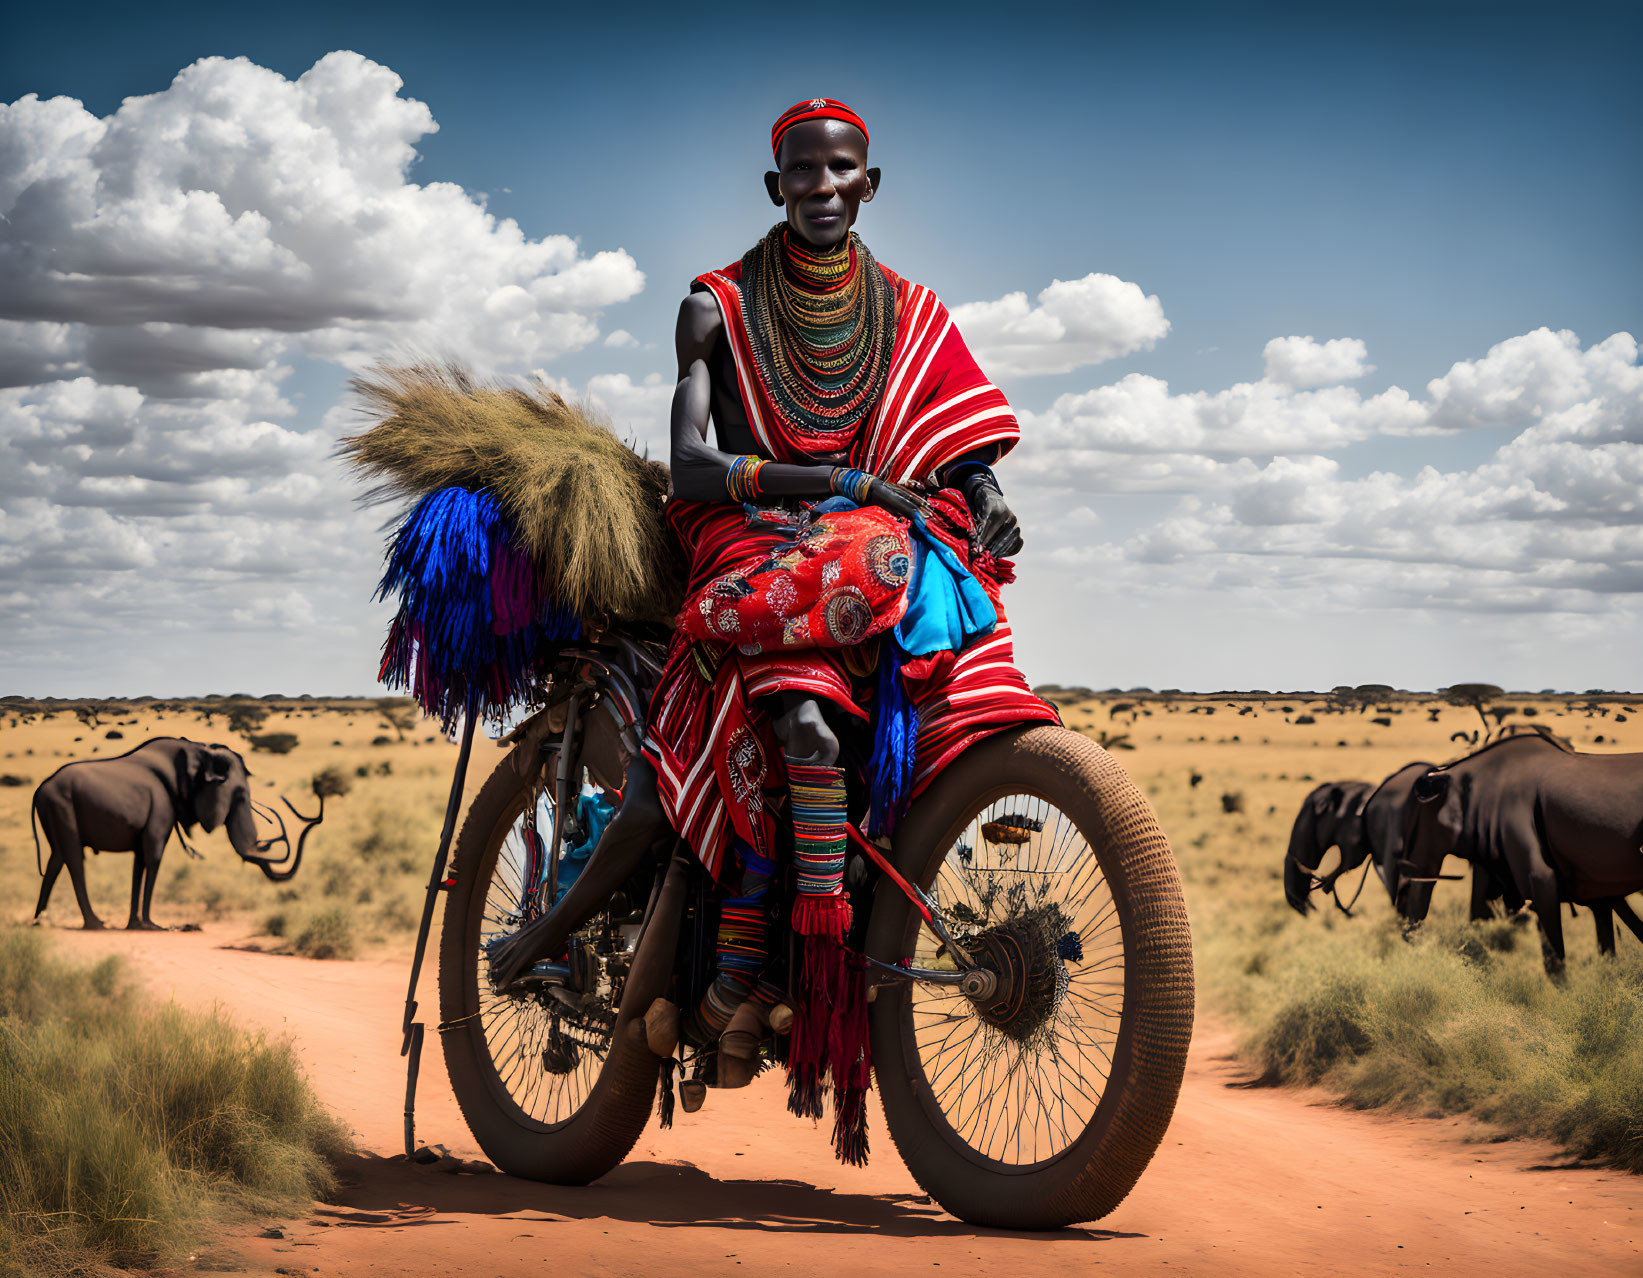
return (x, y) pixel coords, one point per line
(1040, 1103)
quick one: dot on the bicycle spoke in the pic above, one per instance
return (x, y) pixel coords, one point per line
(546, 1057)
(1024, 1096)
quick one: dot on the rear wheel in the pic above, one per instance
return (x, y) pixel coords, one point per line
(1040, 1102)
(550, 1088)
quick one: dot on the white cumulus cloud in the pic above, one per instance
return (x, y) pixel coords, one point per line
(1070, 324)
(164, 271)
(1302, 362)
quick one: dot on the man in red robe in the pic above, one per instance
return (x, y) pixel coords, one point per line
(846, 540)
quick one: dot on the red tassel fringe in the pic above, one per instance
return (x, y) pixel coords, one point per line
(826, 916)
(829, 1043)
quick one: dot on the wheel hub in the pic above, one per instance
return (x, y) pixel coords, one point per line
(1022, 977)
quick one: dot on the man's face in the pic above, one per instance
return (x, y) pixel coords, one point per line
(822, 180)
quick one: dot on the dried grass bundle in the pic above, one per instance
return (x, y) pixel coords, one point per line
(582, 503)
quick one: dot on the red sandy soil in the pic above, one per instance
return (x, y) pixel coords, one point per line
(1250, 1180)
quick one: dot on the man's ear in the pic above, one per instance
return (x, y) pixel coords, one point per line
(773, 184)
(872, 185)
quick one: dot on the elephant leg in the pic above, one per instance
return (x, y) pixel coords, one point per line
(1480, 910)
(63, 836)
(1628, 916)
(153, 877)
(1548, 911)
(1603, 916)
(77, 876)
(75, 857)
(54, 867)
(145, 866)
(136, 888)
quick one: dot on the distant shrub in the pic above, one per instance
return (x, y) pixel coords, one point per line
(1305, 719)
(382, 741)
(1383, 722)
(274, 742)
(11, 778)
(1232, 801)
(114, 734)
(327, 934)
(329, 782)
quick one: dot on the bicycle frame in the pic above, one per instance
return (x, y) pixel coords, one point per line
(612, 678)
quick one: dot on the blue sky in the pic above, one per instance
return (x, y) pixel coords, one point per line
(1430, 181)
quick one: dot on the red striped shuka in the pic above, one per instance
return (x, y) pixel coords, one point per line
(720, 769)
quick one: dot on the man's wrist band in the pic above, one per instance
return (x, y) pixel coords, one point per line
(742, 481)
(854, 484)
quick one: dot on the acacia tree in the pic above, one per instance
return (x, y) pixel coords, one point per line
(399, 713)
(1476, 695)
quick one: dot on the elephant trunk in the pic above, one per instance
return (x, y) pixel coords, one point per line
(279, 869)
(1302, 860)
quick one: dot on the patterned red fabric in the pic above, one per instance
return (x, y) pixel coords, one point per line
(719, 765)
(841, 580)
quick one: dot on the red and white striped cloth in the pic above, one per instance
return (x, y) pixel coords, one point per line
(718, 763)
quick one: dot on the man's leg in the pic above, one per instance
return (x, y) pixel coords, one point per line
(803, 731)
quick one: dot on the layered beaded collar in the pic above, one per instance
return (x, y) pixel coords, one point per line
(821, 324)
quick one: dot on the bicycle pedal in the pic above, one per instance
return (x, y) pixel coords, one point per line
(692, 1093)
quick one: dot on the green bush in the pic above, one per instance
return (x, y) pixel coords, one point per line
(274, 742)
(126, 1129)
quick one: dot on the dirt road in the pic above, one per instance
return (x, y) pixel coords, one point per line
(1249, 1181)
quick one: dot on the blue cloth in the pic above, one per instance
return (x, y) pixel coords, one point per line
(946, 605)
(593, 814)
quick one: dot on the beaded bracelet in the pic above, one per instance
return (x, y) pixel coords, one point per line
(742, 481)
(854, 484)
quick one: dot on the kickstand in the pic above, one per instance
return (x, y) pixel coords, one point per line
(412, 1046)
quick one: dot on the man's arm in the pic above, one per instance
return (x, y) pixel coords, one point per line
(700, 471)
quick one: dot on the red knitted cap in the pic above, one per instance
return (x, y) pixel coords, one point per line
(812, 109)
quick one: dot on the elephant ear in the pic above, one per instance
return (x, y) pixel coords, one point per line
(1326, 798)
(1432, 787)
(1441, 788)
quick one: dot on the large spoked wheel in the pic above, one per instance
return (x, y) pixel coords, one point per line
(550, 1089)
(1037, 1103)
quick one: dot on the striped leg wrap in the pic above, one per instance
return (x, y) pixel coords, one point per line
(741, 945)
(819, 845)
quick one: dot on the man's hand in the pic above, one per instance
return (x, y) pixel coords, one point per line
(896, 499)
(996, 530)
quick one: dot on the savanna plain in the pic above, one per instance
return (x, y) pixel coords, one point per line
(163, 1097)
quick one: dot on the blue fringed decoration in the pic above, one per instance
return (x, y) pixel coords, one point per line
(460, 636)
(895, 735)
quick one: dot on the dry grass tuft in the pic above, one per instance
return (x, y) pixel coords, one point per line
(588, 508)
(126, 1130)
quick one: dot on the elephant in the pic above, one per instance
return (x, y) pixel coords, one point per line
(1363, 820)
(1560, 824)
(1331, 816)
(132, 802)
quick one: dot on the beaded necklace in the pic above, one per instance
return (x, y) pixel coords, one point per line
(822, 325)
